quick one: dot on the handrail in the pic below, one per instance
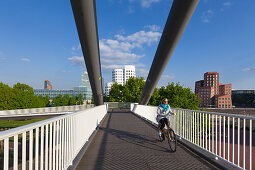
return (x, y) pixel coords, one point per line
(219, 134)
(45, 110)
(60, 139)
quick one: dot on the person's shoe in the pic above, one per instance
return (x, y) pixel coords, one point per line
(163, 137)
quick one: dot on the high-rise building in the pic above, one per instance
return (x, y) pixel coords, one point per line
(117, 76)
(85, 83)
(120, 76)
(47, 85)
(108, 87)
(85, 79)
(129, 71)
(212, 93)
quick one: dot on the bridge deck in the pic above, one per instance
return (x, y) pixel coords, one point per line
(124, 141)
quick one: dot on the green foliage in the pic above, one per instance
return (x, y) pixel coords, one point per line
(7, 98)
(116, 93)
(21, 96)
(25, 96)
(178, 96)
(133, 89)
(80, 100)
(130, 92)
(47, 100)
(72, 101)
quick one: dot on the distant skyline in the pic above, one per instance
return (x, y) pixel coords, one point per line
(39, 41)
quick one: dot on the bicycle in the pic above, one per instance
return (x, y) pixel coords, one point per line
(171, 137)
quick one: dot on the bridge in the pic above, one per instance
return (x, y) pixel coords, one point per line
(106, 137)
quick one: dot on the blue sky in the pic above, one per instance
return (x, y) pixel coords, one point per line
(39, 41)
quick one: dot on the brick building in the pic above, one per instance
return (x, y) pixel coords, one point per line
(212, 93)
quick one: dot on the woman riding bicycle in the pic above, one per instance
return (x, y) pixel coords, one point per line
(163, 115)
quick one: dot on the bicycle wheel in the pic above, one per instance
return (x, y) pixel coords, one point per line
(172, 140)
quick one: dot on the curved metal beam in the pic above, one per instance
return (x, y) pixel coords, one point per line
(176, 23)
(86, 22)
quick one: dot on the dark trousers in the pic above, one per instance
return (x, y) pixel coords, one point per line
(162, 123)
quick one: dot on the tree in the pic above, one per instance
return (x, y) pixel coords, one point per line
(80, 100)
(116, 93)
(72, 101)
(47, 101)
(133, 89)
(7, 97)
(178, 96)
(24, 96)
(65, 100)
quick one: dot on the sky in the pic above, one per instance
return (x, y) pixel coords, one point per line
(39, 41)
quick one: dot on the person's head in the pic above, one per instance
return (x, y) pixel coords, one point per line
(165, 101)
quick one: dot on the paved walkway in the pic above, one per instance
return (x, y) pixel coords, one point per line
(124, 141)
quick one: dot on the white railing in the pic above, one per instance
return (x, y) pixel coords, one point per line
(45, 110)
(52, 143)
(226, 136)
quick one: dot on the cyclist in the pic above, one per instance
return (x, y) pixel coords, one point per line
(163, 115)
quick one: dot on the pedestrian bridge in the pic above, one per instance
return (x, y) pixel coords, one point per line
(115, 138)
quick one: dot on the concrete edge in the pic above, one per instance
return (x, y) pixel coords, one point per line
(219, 162)
(79, 156)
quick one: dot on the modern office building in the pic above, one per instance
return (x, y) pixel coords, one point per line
(117, 76)
(86, 83)
(243, 98)
(85, 79)
(120, 76)
(234, 92)
(84, 89)
(128, 71)
(86, 94)
(47, 85)
(212, 93)
(108, 87)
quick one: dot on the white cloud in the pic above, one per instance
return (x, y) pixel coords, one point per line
(142, 72)
(249, 69)
(112, 66)
(153, 27)
(227, 3)
(141, 37)
(131, 10)
(171, 76)
(207, 16)
(147, 3)
(25, 60)
(121, 50)
(77, 61)
(140, 65)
